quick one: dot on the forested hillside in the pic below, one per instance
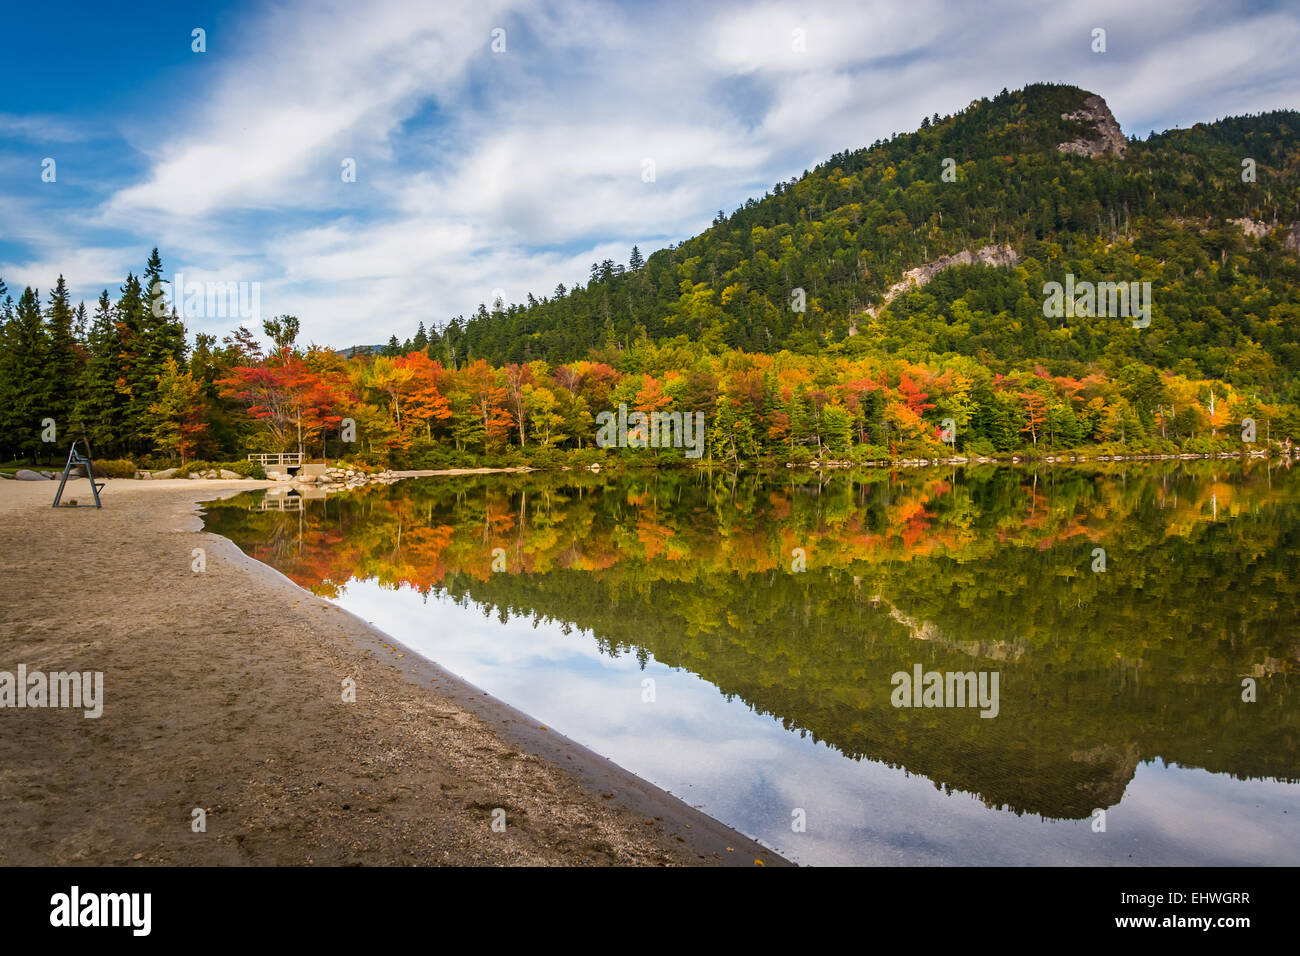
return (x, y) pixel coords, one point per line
(846, 231)
(791, 325)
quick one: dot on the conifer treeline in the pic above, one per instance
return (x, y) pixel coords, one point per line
(100, 376)
(126, 379)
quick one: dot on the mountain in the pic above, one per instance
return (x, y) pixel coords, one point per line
(354, 350)
(940, 241)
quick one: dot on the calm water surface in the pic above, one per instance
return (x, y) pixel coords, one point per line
(659, 619)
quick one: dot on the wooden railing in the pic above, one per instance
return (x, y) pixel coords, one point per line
(278, 503)
(277, 458)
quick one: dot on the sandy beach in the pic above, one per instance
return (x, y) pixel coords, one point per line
(223, 692)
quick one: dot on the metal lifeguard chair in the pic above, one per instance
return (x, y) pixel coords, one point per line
(73, 460)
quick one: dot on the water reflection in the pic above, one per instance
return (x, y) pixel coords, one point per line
(1120, 689)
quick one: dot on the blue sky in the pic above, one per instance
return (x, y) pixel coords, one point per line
(479, 171)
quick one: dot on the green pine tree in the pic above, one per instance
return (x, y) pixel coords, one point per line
(23, 357)
(63, 362)
(99, 403)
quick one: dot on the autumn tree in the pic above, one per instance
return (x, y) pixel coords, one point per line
(177, 415)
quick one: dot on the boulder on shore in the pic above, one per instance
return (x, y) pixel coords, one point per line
(25, 474)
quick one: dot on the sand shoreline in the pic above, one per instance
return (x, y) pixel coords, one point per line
(234, 707)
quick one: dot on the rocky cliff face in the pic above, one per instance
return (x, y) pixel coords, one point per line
(1108, 139)
(987, 255)
(1250, 227)
(1258, 230)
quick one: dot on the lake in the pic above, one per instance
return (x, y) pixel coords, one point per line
(749, 641)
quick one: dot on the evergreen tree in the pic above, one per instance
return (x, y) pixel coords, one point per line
(152, 288)
(26, 399)
(164, 331)
(835, 429)
(133, 381)
(63, 362)
(434, 348)
(99, 402)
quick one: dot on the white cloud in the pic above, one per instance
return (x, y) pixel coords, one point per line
(474, 167)
(37, 128)
(337, 77)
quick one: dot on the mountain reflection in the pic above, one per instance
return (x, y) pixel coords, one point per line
(967, 569)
